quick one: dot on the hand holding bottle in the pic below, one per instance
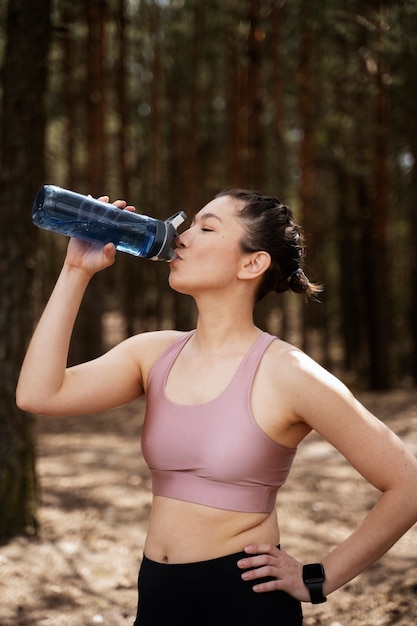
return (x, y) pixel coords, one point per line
(93, 257)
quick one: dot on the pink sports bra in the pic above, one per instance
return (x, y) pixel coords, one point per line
(214, 453)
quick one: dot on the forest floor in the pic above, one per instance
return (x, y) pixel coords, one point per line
(95, 495)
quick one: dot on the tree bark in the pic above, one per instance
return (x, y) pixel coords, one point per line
(378, 318)
(21, 173)
(88, 335)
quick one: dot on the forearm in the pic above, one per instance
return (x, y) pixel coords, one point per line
(390, 518)
(44, 366)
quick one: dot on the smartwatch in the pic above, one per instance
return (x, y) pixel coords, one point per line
(313, 578)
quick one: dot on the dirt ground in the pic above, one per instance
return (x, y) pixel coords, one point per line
(95, 496)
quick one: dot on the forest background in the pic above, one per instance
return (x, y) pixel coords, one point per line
(166, 102)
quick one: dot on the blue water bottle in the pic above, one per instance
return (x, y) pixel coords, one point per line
(75, 215)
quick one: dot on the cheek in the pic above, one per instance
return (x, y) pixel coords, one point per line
(222, 270)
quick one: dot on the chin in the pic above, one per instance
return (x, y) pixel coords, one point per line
(177, 286)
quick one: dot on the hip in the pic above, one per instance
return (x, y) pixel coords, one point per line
(209, 592)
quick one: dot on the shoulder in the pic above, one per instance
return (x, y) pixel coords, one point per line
(147, 347)
(156, 340)
(295, 365)
(308, 387)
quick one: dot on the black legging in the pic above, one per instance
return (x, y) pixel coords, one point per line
(209, 593)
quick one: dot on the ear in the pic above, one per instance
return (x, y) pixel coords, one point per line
(255, 265)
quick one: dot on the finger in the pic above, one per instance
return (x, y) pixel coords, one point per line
(258, 563)
(259, 572)
(109, 249)
(260, 552)
(266, 578)
(122, 204)
(262, 548)
(101, 198)
(109, 254)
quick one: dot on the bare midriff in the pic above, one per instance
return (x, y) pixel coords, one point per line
(184, 532)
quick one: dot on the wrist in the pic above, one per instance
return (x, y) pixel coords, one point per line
(76, 274)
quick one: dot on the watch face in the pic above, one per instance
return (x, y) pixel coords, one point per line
(313, 573)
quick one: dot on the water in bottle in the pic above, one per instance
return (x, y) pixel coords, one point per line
(76, 215)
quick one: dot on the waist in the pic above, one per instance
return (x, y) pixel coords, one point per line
(184, 532)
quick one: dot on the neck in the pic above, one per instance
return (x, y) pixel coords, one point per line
(224, 323)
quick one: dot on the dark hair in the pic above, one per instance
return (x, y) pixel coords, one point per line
(271, 227)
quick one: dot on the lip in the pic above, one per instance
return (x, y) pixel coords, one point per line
(176, 257)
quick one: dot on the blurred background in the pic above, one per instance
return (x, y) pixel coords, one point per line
(166, 102)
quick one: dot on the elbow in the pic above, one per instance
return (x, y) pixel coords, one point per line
(410, 490)
(27, 401)
(23, 402)
(34, 401)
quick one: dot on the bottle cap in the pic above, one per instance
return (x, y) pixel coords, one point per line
(162, 249)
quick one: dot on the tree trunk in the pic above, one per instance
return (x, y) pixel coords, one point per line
(305, 80)
(255, 166)
(127, 264)
(69, 98)
(378, 290)
(237, 99)
(88, 333)
(21, 173)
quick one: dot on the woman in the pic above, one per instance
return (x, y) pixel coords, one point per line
(227, 406)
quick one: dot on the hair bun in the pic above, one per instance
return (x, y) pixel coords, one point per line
(298, 281)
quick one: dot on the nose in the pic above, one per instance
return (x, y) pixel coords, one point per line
(180, 240)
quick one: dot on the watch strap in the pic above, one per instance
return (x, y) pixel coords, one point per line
(316, 593)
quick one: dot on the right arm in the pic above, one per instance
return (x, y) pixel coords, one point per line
(45, 383)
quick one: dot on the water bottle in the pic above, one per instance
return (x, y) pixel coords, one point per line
(75, 215)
